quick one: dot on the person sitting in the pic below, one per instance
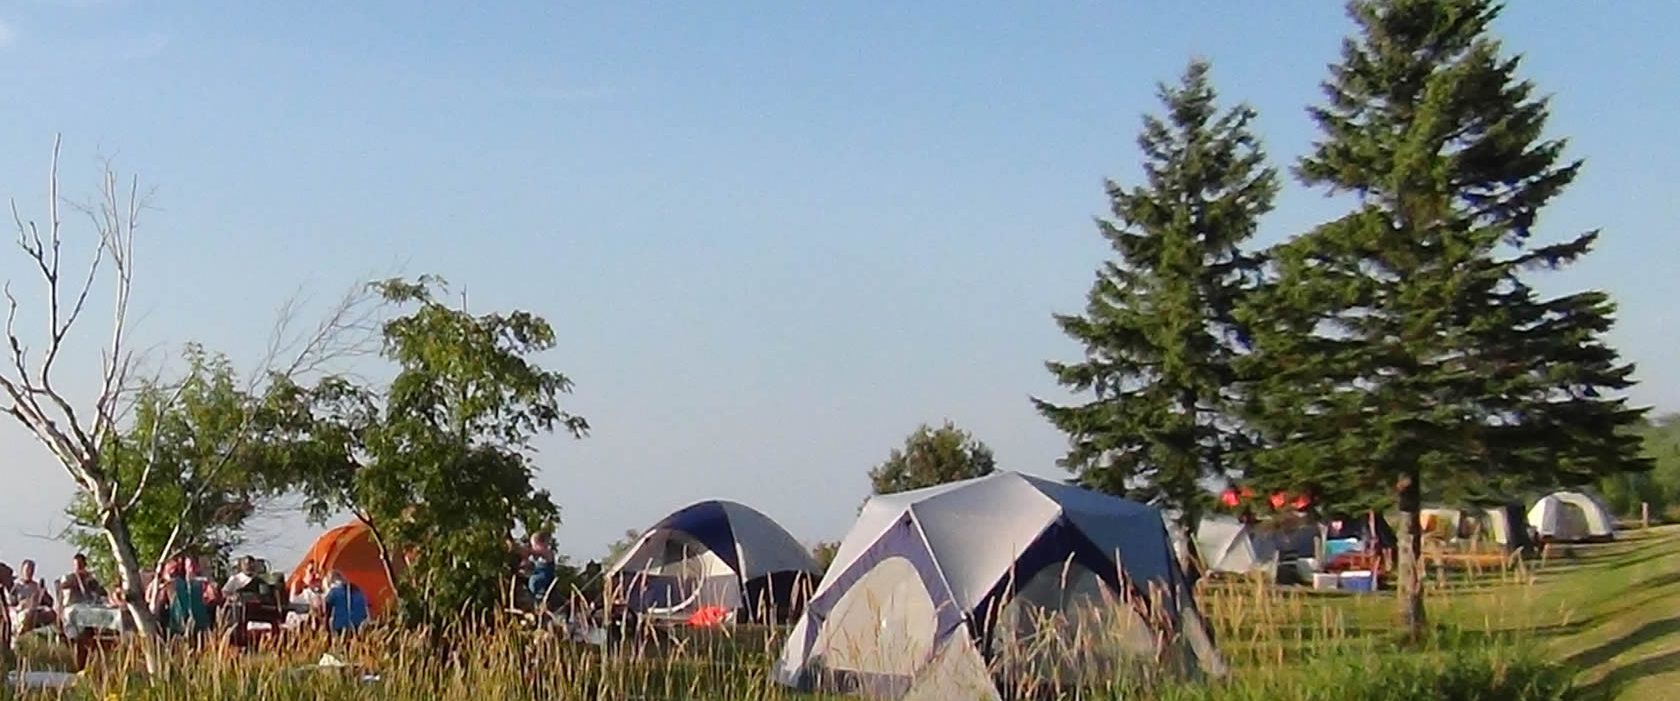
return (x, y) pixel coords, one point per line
(345, 605)
(30, 600)
(242, 579)
(81, 587)
(542, 564)
(305, 595)
(8, 658)
(253, 602)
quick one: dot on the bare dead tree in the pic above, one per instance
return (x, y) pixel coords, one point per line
(77, 438)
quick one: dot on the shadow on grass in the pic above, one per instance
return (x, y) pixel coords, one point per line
(1645, 554)
(1653, 630)
(1611, 685)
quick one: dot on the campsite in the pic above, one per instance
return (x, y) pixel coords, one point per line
(1578, 610)
(890, 351)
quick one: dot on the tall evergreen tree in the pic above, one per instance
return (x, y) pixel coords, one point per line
(1158, 327)
(1402, 344)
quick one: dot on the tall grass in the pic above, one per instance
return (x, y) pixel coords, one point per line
(1279, 644)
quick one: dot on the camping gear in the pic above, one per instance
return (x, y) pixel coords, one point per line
(709, 617)
(351, 550)
(713, 553)
(1332, 548)
(934, 589)
(1572, 517)
(1326, 580)
(1358, 580)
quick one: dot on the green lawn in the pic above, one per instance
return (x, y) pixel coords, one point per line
(1614, 612)
(1610, 610)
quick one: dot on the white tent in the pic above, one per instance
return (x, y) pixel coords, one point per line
(949, 591)
(1504, 525)
(1226, 544)
(712, 554)
(1571, 517)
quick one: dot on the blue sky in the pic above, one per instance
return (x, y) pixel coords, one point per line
(773, 237)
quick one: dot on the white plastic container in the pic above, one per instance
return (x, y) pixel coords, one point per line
(1326, 580)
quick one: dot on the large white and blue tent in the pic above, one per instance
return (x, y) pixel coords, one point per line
(713, 553)
(955, 590)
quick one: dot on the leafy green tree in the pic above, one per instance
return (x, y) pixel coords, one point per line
(1659, 488)
(1158, 327)
(439, 463)
(1402, 344)
(824, 553)
(619, 548)
(198, 459)
(932, 456)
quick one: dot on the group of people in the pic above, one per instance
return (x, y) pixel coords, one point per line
(333, 600)
(188, 603)
(28, 603)
(182, 597)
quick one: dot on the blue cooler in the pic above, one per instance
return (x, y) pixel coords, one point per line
(1360, 581)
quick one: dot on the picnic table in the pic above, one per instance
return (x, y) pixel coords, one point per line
(91, 626)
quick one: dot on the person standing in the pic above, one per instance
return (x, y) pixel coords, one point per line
(186, 600)
(345, 603)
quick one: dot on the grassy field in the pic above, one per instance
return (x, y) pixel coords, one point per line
(1606, 617)
(1610, 613)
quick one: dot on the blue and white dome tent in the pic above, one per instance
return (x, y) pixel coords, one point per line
(713, 554)
(958, 590)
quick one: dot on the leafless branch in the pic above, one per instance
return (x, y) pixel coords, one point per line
(349, 329)
(152, 452)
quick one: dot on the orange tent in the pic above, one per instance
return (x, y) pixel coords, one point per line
(350, 549)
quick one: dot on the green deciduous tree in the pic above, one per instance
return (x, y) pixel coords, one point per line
(196, 457)
(1158, 328)
(621, 547)
(1659, 488)
(439, 463)
(824, 553)
(932, 456)
(1402, 344)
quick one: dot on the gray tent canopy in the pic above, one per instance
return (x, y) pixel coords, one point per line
(935, 593)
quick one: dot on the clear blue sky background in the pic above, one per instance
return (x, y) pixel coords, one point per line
(774, 237)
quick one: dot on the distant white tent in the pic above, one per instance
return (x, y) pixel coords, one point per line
(713, 554)
(933, 592)
(1503, 525)
(1225, 544)
(1571, 517)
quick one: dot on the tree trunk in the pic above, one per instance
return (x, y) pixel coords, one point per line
(1190, 561)
(384, 555)
(1410, 556)
(133, 588)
